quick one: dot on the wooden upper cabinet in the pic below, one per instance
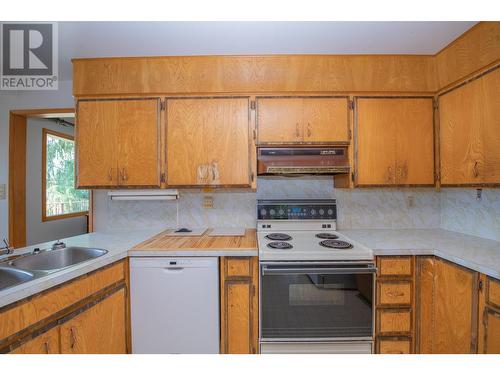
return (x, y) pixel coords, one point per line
(208, 142)
(302, 120)
(99, 330)
(470, 132)
(96, 144)
(395, 141)
(117, 143)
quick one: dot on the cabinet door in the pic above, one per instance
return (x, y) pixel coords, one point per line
(96, 144)
(376, 142)
(448, 309)
(395, 141)
(470, 132)
(98, 330)
(491, 321)
(138, 156)
(46, 343)
(208, 142)
(239, 305)
(414, 141)
(325, 120)
(117, 143)
(279, 120)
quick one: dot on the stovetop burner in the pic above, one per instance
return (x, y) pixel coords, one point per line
(278, 237)
(327, 236)
(280, 245)
(335, 244)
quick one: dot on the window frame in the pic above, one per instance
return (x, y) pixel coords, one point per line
(45, 133)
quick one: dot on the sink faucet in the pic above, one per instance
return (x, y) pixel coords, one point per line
(7, 249)
(58, 245)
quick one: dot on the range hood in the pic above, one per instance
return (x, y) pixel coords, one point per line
(302, 161)
(144, 195)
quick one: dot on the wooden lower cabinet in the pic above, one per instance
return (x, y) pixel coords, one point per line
(46, 343)
(98, 330)
(489, 316)
(239, 305)
(448, 305)
(394, 316)
(87, 315)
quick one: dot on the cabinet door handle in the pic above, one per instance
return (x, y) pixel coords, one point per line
(297, 133)
(46, 344)
(475, 170)
(110, 174)
(390, 176)
(72, 337)
(309, 130)
(124, 174)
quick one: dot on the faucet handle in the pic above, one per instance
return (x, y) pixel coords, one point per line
(7, 248)
(6, 242)
(58, 245)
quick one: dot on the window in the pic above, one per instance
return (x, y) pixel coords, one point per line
(60, 199)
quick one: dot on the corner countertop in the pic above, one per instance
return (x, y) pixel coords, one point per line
(473, 252)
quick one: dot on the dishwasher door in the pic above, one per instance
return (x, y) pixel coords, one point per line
(174, 305)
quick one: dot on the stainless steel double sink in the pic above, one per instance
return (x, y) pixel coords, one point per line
(33, 266)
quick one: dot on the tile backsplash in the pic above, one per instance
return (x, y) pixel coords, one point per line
(462, 212)
(452, 209)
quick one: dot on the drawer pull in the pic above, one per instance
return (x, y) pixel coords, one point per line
(47, 347)
(394, 293)
(73, 337)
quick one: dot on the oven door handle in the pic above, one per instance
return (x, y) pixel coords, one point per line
(267, 270)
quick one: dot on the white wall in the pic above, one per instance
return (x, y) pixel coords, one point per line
(38, 231)
(24, 100)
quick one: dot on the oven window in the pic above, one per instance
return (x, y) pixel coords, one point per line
(316, 306)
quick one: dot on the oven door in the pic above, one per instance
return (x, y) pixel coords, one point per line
(316, 301)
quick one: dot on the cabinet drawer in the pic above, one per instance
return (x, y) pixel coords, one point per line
(493, 292)
(238, 267)
(394, 293)
(391, 321)
(394, 346)
(394, 266)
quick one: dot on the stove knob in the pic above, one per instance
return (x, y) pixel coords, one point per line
(281, 212)
(321, 211)
(313, 211)
(263, 212)
(330, 211)
(272, 211)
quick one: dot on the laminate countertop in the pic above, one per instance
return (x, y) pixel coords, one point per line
(473, 252)
(122, 243)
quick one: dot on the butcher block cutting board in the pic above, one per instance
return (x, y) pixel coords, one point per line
(236, 232)
(165, 242)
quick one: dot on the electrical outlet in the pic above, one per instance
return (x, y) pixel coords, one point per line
(410, 201)
(2, 191)
(208, 202)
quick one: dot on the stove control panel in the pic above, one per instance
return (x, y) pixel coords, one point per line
(320, 209)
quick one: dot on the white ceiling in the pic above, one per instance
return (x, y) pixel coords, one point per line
(101, 39)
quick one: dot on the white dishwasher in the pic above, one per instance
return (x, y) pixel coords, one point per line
(174, 305)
